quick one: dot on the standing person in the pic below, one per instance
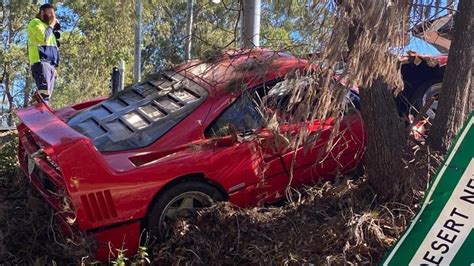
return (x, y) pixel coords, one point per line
(43, 52)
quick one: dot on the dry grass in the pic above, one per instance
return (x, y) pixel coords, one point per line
(28, 234)
(332, 223)
(339, 223)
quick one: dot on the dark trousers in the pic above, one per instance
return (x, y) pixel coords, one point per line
(44, 76)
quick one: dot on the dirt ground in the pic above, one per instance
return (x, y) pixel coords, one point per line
(329, 224)
(27, 232)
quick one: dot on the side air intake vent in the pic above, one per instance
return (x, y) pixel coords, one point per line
(99, 206)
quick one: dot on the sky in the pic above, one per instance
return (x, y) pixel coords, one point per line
(415, 44)
(420, 46)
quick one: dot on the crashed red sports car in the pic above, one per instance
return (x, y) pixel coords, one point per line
(181, 140)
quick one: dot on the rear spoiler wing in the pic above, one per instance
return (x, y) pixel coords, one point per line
(50, 129)
(62, 144)
(41, 131)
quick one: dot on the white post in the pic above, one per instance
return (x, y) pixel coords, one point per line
(122, 74)
(138, 41)
(189, 30)
(251, 23)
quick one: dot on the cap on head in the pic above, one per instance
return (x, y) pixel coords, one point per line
(46, 6)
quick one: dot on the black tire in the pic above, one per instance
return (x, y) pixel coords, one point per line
(417, 99)
(202, 191)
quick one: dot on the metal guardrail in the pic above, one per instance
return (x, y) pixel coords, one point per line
(6, 129)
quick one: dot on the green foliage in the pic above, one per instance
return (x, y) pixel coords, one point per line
(121, 259)
(102, 35)
(97, 34)
(142, 256)
(8, 155)
(14, 16)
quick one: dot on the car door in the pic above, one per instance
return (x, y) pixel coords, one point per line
(326, 155)
(253, 173)
(315, 160)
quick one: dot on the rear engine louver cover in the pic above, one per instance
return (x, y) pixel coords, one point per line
(139, 115)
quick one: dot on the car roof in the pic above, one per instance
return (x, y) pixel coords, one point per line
(234, 70)
(139, 115)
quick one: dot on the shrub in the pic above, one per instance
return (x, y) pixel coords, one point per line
(8, 154)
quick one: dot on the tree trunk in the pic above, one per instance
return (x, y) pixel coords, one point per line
(27, 88)
(455, 99)
(6, 74)
(9, 95)
(384, 152)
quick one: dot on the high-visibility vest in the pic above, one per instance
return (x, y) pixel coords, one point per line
(41, 48)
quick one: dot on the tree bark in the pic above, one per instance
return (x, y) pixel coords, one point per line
(7, 114)
(455, 99)
(27, 88)
(384, 152)
(6, 74)
(383, 158)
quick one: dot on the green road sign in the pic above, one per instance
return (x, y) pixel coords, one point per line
(443, 230)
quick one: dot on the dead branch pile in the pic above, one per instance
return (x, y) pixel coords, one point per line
(334, 223)
(340, 223)
(28, 234)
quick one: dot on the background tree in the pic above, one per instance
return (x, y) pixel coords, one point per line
(457, 93)
(371, 28)
(97, 34)
(13, 62)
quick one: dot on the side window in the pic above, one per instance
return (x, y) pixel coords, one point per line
(283, 98)
(243, 115)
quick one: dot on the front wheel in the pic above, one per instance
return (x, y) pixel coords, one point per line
(180, 201)
(430, 89)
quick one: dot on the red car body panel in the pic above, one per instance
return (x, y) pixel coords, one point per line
(109, 193)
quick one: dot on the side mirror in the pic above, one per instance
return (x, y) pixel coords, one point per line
(226, 141)
(229, 140)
